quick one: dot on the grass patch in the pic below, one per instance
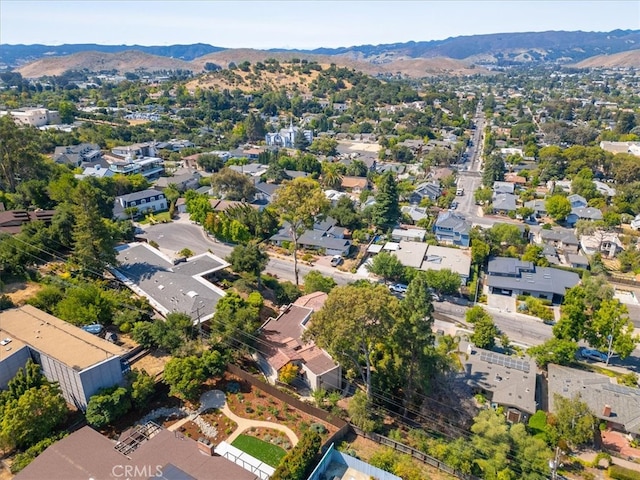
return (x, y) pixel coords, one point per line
(267, 452)
(153, 218)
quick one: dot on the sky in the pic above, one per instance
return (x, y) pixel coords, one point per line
(297, 24)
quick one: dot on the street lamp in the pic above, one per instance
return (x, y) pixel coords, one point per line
(553, 465)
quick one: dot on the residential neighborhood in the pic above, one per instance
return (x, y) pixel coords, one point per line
(348, 276)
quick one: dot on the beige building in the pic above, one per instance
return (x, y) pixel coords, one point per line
(34, 117)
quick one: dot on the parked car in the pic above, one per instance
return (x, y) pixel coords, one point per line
(398, 288)
(336, 260)
(595, 355)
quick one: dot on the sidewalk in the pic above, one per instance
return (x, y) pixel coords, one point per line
(590, 456)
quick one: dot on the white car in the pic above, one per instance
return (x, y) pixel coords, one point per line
(336, 260)
(398, 288)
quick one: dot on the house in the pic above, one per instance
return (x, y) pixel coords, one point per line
(447, 258)
(223, 205)
(355, 184)
(149, 167)
(604, 189)
(82, 363)
(325, 236)
(11, 221)
(621, 147)
(510, 276)
(506, 381)
(416, 213)
(452, 228)
(605, 242)
(146, 149)
(615, 404)
(335, 464)
(538, 206)
(281, 338)
(516, 179)
(409, 234)
(250, 169)
(577, 261)
(33, 117)
(428, 190)
(149, 200)
(75, 155)
(286, 137)
(183, 179)
(408, 253)
(504, 203)
(265, 192)
(171, 285)
(97, 171)
(577, 201)
(333, 196)
(145, 451)
(437, 174)
(191, 161)
(503, 187)
(561, 238)
(583, 213)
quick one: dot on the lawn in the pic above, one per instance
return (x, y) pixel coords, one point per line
(266, 452)
(153, 218)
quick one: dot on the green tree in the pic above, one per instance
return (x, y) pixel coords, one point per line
(233, 185)
(443, 281)
(558, 207)
(484, 333)
(20, 158)
(574, 422)
(93, 246)
(143, 386)
(235, 320)
(297, 464)
(492, 443)
(324, 146)
(386, 266)
(107, 405)
(314, 281)
(254, 127)
(412, 337)
(32, 417)
(300, 203)
(184, 376)
(479, 251)
(611, 320)
(554, 350)
(345, 213)
(360, 412)
(249, 258)
(353, 320)
(300, 141)
(386, 210)
(331, 175)
(25, 379)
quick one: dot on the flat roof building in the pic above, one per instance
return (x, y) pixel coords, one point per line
(169, 286)
(80, 362)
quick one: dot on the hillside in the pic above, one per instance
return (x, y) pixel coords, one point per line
(128, 61)
(629, 59)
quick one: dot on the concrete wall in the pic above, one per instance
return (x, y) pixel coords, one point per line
(10, 365)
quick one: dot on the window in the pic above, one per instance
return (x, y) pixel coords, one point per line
(143, 201)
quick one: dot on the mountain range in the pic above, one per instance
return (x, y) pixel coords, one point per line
(454, 55)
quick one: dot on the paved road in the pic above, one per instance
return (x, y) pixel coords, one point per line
(173, 237)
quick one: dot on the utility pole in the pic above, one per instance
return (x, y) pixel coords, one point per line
(609, 352)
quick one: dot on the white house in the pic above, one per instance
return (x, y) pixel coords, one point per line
(286, 137)
(145, 201)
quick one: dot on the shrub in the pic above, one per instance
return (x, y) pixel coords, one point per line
(255, 300)
(233, 387)
(620, 473)
(318, 428)
(125, 327)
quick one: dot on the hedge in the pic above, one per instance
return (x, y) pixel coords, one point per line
(620, 473)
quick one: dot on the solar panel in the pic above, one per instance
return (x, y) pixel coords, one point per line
(505, 361)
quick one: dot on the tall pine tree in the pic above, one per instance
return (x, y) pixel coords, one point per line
(92, 242)
(386, 210)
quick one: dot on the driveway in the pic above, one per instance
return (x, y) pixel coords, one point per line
(502, 303)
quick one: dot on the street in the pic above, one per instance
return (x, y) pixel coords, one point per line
(182, 233)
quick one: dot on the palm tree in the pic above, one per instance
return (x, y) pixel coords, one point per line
(331, 175)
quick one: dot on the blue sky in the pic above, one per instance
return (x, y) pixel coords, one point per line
(300, 24)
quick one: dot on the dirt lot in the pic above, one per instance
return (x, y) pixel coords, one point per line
(20, 292)
(153, 363)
